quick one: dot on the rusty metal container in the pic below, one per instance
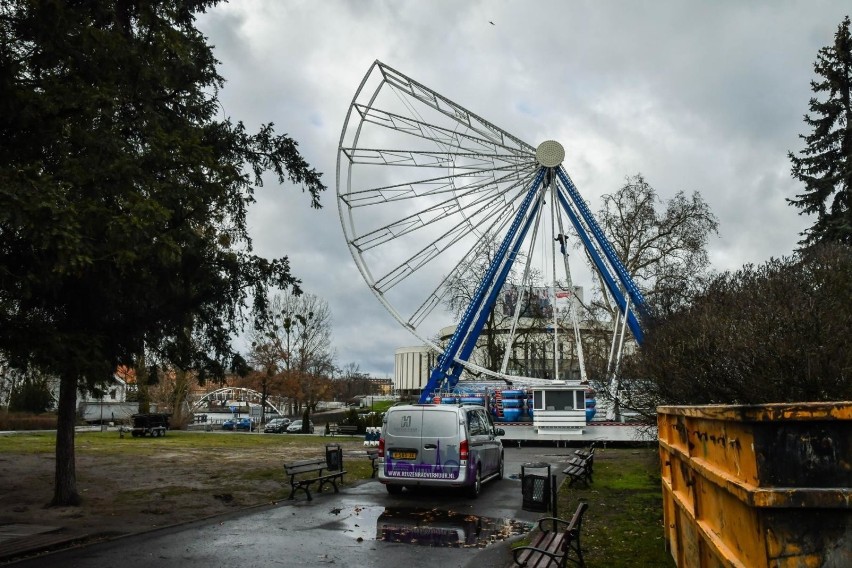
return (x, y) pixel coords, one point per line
(757, 486)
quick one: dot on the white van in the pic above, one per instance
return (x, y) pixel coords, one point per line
(439, 445)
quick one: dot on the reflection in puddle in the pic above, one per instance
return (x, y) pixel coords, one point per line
(434, 527)
(359, 522)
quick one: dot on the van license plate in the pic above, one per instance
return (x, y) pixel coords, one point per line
(400, 455)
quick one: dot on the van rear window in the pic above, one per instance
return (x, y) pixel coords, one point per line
(440, 424)
(418, 423)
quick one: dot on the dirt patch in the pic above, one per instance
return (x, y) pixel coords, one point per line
(133, 495)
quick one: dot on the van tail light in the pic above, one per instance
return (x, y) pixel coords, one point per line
(463, 451)
(381, 447)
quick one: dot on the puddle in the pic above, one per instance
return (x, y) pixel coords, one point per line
(358, 522)
(434, 527)
(423, 527)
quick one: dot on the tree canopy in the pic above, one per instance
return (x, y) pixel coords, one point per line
(123, 196)
(825, 164)
(777, 332)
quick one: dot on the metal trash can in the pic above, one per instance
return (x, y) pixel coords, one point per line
(536, 487)
(334, 457)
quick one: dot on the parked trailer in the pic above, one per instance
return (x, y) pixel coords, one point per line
(150, 424)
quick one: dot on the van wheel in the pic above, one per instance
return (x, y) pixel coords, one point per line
(474, 490)
(394, 489)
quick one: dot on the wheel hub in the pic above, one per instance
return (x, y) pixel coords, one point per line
(550, 153)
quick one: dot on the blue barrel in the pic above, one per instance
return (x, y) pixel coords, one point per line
(448, 400)
(512, 394)
(511, 414)
(471, 400)
(590, 413)
(511, 403)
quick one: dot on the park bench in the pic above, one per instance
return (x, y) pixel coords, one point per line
(304, 473)
(334, 429)
(586, 453)
(373, 456)
(579, 470)
(558, 546)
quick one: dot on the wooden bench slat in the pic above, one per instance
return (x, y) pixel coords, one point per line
(313, 462)
(580, 469)
(296, 470)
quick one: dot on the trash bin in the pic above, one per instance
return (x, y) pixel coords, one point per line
(333, 457)
(536, 487)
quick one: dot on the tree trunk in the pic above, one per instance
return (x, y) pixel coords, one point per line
(178, 400)
(65, 483)
(263, 395)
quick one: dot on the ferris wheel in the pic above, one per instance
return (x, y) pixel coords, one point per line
(435, 201)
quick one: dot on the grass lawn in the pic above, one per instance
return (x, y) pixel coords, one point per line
(623, 526)
(155, 477)
(200, 445)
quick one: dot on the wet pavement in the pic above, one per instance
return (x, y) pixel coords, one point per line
(361, 526)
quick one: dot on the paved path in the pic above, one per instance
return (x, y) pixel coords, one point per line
(342, 529)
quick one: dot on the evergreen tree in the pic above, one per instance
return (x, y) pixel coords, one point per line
(825, 165)
(123, 198)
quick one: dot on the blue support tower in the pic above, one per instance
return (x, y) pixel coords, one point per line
(447, 369)
(609, 254)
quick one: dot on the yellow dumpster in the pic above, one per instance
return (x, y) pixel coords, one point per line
(757, 486)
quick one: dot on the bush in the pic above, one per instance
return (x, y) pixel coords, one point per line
(27, 421)
(351, 417)
(778, 332)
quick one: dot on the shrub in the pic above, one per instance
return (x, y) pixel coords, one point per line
(27, 421)
(778, 332)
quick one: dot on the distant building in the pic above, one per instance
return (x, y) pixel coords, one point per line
(382, 386)
(411, 369)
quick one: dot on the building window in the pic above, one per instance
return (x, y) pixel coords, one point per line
(558, 400)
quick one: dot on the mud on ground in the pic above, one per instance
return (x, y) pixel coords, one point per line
(123, 496)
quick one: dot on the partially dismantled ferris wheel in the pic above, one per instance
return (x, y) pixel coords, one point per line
(423, 187)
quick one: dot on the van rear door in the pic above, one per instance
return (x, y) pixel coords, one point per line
(422, 443)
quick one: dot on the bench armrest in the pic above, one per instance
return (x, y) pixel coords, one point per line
(543, 522)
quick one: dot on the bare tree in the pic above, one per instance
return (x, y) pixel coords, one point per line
(296, 342)
(492, 342)
(664, 249)
(351, 381)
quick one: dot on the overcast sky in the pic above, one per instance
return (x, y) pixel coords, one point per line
(695, 96)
